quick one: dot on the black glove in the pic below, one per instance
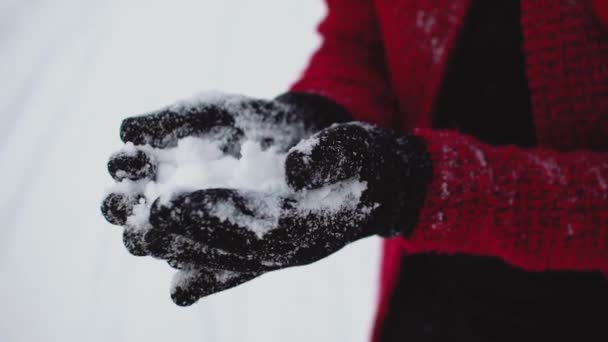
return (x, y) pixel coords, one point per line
(281, 122)
(349, 180)
(191, 231)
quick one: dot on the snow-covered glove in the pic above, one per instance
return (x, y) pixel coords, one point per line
(349, 181)
(282, 122)
(230, 119)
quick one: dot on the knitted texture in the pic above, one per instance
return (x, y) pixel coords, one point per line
(567, 65)
(349, 66)
(535, 208)
(540, 208)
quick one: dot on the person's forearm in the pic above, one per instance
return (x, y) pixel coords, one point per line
(535, 208)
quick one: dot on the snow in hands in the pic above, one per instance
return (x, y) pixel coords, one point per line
(201, 161)
(213, 185)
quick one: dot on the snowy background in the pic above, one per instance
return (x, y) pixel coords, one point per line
(70, 71)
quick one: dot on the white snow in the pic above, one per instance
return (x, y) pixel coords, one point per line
(306, 146)
(71, 71)
(333, 197)
(268, 210)
(198, 163)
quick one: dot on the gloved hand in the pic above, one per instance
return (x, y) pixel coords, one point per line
(350, 181)
(281, 122)
(353, 180)
(230, 119)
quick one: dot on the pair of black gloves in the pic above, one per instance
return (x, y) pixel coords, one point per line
(215, 254)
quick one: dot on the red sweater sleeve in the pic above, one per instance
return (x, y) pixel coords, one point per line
(349, 65)
(535, 208)
(601, 9)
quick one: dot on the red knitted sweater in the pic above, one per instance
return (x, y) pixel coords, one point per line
(539, 208)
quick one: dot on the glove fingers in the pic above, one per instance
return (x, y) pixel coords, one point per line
(310, 235)
(332, 155)
(163, 128)
(133, 166)
(116, 207)
(312, 248)
(189, 286)
(221, 218)
(134, 241)
(180, 251)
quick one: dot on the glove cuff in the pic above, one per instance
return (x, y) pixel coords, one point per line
(315, 111)
(408, 175)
